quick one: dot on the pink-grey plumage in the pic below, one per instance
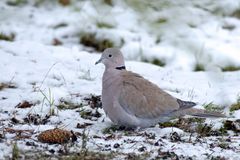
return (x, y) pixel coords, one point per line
(132, 101)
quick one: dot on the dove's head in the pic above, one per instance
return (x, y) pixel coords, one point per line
(112, 58)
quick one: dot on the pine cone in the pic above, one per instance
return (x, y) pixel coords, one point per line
(55, 136)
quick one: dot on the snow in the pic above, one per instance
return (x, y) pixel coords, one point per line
(179, 33)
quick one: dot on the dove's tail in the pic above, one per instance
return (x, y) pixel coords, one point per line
(201, 113)
(209, 114)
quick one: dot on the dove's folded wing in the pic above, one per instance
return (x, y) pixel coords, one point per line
(144, 99)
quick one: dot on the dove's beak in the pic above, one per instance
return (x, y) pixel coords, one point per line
(99, 61)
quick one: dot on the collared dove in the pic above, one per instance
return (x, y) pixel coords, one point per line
(132, 101)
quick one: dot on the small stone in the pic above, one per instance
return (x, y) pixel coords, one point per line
(156, 143)
(142, 149)
(52, 151)
(14, 120)
(107, 145)
(30, 143)
(74, 136)
(116, 145)
(175, 137)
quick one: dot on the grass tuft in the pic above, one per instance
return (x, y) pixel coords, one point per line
(49, 99)
(230, 68)
(108, 2)
(199, 67)
(85, 138)
(161, 20)
(235, 106)
(112, 129)
(68, 105)
(64, 2)
(90, 155)
(104, 25)
(155, 61)
(16, 2)
(15, 152)
(195, 125)
(90, 40)
(168, 124)
(6, 37)
(232, 125)
(236, 14)
(204, 130)
(213, 107)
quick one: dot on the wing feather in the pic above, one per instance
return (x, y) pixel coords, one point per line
(144, 99)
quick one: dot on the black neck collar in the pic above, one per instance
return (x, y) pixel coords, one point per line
(121, 68)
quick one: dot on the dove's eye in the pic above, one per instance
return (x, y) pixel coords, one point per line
(109, 55)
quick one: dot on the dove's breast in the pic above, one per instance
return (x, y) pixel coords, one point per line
(110, 93)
